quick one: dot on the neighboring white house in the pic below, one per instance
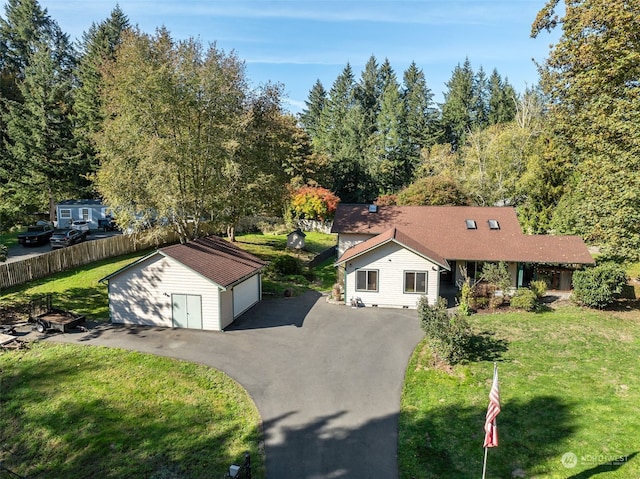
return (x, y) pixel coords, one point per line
(392, 255)
(202, 284)
(88, 210)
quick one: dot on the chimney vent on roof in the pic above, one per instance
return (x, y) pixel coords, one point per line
(373, 208)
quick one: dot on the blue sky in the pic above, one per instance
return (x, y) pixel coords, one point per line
(297, 42)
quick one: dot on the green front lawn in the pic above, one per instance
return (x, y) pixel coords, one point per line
(76, 290)
(79, 412)
(569, 383)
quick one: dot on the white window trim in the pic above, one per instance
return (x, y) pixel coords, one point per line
(415, 272)
(65, 214)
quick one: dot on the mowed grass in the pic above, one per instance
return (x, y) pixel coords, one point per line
(77, 290)
(569, 383)
(269, 247)
(77, 412)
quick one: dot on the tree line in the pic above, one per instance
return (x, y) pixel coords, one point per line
(170, 129)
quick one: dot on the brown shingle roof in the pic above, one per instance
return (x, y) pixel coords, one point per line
(443, 229)
(393, 234)
(215, 259)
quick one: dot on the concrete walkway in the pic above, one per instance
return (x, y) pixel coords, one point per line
(326, 379)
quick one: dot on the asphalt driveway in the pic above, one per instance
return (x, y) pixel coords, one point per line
(326, 379)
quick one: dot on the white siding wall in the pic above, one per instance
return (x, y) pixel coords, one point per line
(226, 308)
(142, 294)
(245, 295)
(391, 261)
(346, 241)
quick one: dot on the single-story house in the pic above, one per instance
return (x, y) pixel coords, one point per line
(88, 210)
(393, 255)
(203, 284)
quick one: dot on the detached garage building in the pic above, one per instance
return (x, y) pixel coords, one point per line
(203, 284)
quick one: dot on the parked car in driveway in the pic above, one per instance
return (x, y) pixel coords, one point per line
(66, 237)
(36, 235)
(80, 225)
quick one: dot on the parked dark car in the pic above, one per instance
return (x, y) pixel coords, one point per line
(107, 224)
(36, 235)
(66, 237)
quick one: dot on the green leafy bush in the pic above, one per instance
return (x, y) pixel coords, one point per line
(599, 286)
(539, 288)
(449, 334)
(498, 275)
(466, 297)
(3, 253)
(524, 298)
(284, 265)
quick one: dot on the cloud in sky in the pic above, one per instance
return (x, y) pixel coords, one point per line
(296, 42)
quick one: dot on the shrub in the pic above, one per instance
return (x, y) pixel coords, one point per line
(524, 298)
(538, 287)
(284, 265)
(449, 334)
(3, 253)
(498, 275)
(466, 297)
(599, 286)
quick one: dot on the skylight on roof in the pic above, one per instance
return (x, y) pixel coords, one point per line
(471, 224)
(373, 208)
(494, 225)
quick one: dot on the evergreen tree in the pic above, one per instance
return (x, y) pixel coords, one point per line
(99, 44)
(342, 139)
(310, 116)
(421, 129)
(480, 109)
(40, 133)
(459, 105)
(36, 60)
(394, 168)
(368, 93)
(502, 100)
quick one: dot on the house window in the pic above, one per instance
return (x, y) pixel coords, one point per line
(65, 214)
(367, 280)
(471, 224)
(415, 282)
(84, 214)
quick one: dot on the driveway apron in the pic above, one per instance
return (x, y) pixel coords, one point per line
(326, 378)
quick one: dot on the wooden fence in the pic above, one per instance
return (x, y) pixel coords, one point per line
(20, 272)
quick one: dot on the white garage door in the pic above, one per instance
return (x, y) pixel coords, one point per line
(245, 295)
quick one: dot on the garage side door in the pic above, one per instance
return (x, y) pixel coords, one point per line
(186, 311)
(245, 295)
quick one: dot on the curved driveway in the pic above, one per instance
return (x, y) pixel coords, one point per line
(326, 379)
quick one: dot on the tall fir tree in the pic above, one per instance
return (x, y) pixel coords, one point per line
(98, 45)
(36, 59)
(368, 93)
(421, 128)
(502, 100)
(310, 116)
(393, 166)
(459, 105)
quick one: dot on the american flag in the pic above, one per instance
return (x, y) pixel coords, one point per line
(490, 428)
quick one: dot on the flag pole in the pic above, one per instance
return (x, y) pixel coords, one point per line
(484, 464)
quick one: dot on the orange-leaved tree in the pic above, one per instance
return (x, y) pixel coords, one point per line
(314, 203)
